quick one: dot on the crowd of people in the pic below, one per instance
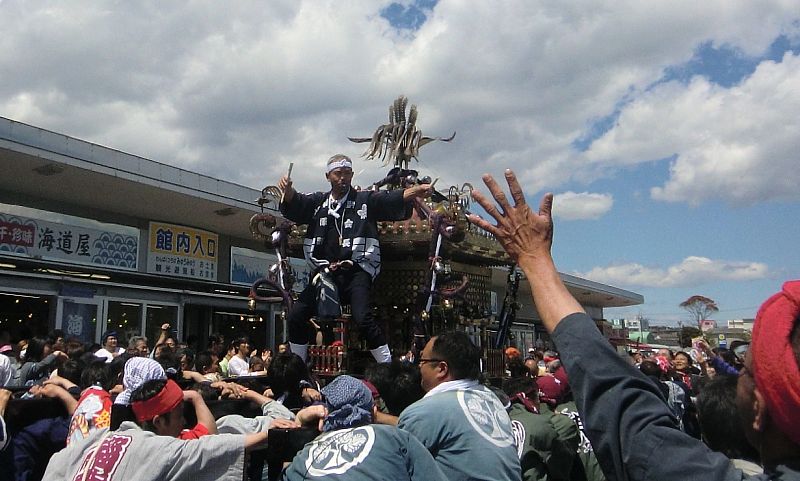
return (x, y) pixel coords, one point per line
(582, 411)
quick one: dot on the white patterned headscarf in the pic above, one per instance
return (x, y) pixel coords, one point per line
(138, 370)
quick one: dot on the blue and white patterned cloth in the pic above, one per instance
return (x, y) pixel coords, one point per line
(138, 370)
(349, 403)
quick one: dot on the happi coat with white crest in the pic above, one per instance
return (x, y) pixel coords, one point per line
(347, 230)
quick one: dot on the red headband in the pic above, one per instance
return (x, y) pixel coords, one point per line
(774, 364)
(163, 402)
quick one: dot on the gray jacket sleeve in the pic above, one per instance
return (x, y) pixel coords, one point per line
(627, 421)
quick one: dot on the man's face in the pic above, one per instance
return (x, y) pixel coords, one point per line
(430, 367)
(142, 349)
(340, 179)
(111, 343)
(665, 353)
(244, 349)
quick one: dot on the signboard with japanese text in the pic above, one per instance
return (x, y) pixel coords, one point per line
(179, 251)
(248, 265)
(107, 245)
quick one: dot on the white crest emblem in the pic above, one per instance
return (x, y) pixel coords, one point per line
(338, 451)
(345, 242)
(348, 224)
(75, 324)
(362, 212)
(350, 204)
(323, 221)
(486, 416)
(518, 430)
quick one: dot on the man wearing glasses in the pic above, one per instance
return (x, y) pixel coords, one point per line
(460, 421)
(342, 238)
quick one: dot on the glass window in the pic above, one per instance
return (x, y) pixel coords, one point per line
(155, 317)
(79, 319)
(126, 319)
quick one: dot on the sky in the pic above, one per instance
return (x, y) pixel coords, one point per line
(668, 130)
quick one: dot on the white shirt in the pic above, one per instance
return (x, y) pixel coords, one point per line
(108, 355)
(238, 366)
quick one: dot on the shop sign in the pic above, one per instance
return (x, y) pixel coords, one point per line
(108, 245)
(179, 251)
(248, 265)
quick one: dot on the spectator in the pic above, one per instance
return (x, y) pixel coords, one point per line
(224, 363)
(721, 424)
(239, 364)
(533, 367)
(110, 349)
(6, 371)
(5, 395)
(684, 370)
(37, 366)
(137, 346)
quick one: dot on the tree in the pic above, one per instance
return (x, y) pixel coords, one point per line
(699, 307)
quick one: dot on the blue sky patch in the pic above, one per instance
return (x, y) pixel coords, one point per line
(408, 16)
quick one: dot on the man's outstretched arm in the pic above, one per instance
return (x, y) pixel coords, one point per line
(631, 429)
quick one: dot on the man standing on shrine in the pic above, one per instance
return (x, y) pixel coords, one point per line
(341, 246)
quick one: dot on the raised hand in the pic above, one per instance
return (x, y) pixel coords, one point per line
(519, 230)
(285, 185)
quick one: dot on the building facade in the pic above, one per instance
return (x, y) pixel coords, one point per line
(94, 239)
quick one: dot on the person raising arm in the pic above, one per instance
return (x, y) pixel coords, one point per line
(630, 427)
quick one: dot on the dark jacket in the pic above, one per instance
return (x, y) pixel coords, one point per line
(631, 429)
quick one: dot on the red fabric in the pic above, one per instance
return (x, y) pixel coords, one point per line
(163, 402)
(775, 368)
(195, 433)
(372, 389)
(530, 405)
(663, 363)
(92, 412)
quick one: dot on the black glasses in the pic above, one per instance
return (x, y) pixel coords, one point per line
(422, 361)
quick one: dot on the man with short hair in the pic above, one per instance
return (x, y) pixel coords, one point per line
(460, 421)
(138, 346)
(149, 449)
(110, 349)
(632, 431)
(342, 248)
(239, 364)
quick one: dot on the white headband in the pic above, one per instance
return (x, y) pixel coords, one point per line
(340, 163)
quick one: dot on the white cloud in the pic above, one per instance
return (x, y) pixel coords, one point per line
(738, 144)
(692, 271)
(581, 206)
(240, 91)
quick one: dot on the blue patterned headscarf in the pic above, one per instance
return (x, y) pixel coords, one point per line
(349, 403)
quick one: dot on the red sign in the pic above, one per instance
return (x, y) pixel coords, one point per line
(17, 234)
